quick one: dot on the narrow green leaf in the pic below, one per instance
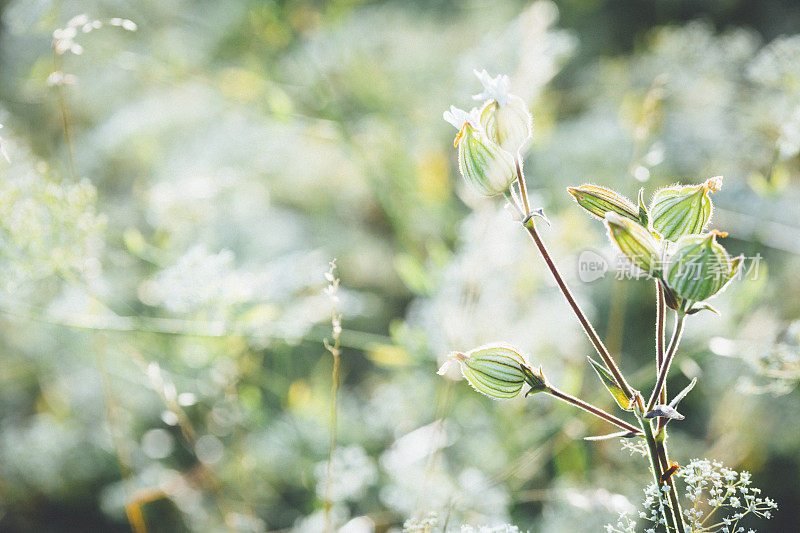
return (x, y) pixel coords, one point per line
(676, 400)
(618, 434)
(608, 380)
(703, 307)
(644, 218)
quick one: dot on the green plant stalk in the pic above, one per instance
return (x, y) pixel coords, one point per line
(522, 187)
(335, 351)
(602, 351)
(655, 466)
(675, 503)
(661, 432)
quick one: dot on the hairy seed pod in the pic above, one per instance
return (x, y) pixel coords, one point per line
(509, 125)
(699, 267)
(486, 167)
(599, 201)
(683, 210)
(497, 370)
(636, 243)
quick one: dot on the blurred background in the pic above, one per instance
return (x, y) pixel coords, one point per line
(180, 174)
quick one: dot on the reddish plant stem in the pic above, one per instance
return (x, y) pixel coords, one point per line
(665, 364)
(661, 310)
(587, 326)
(608, 417)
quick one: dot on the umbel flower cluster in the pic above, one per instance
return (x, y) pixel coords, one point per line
(719, 499)
(667, 241)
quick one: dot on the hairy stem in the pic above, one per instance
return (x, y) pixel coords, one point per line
(661, 443)
(661, 310)
(665, 364)
(523, 191)
(587, 326)
(608, 417)
(675, 503)
(655, 465)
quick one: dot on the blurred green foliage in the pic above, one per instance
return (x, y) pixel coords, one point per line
(162, 306)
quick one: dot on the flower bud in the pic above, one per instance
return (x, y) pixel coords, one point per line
(498, 371)
(598, 201)
(699, 266)
(486, 167)
(635, 242)
(683, 210)
(504, 117)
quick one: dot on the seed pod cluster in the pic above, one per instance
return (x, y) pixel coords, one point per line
(667, 241)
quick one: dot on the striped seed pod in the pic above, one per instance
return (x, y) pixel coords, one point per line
(636, 243)
(699, 267)
(683, 210)
(486, 167)
(599, 201)
(497, 371)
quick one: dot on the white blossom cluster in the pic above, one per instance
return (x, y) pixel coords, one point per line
(720, 498)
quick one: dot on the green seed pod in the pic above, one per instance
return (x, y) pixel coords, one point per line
(599, 201)
(699, 267)
(498, 371)
(636, 243)
(683, 210)
(486, 167)
(509, 125)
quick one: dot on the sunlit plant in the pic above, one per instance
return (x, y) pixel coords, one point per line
(666, 241)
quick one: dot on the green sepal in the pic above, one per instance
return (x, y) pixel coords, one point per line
(535, 379)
